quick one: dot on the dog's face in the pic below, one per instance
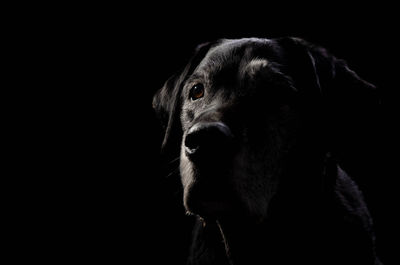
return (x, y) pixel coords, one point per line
(237, 126)
(238, 112)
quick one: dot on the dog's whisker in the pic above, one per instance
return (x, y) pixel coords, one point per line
(226, 244)
(174, 160)
(173, 172)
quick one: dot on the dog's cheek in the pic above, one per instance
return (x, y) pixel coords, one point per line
(252, 181)
(187, 176)
(258, 167)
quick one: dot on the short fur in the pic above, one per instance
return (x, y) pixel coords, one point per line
(278, 193)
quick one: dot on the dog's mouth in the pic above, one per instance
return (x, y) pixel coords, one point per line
(211, 196)
(212, 209)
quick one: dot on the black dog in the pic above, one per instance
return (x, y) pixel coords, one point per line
(261, 127)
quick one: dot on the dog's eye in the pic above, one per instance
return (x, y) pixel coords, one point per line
(197, 91)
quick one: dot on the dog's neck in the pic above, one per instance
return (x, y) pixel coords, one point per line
(299, 228)
(243, 241)
(287, 228)
(254, 242)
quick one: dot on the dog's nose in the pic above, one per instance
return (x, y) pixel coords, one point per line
(207, 139)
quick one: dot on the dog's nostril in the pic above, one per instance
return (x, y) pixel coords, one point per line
(193, 140)
(207, 136)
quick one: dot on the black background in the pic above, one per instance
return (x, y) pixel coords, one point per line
(110, 197)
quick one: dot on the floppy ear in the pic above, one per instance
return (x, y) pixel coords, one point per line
(167, 101)
(347, 105)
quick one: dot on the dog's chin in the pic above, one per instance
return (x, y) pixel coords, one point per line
(211, 201)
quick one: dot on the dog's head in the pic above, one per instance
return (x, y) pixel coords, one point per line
(242, 111)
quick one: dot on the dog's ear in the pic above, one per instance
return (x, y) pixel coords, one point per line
(167, 101)
(347, 105)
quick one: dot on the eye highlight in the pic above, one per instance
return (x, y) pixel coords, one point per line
(197, 91)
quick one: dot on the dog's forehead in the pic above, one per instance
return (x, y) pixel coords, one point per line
(233, 53)
(231, 46)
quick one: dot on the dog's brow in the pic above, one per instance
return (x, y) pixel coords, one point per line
(194, 76)
(254, 65)
(257, 62)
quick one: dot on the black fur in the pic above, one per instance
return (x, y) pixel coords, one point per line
(277, 125)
